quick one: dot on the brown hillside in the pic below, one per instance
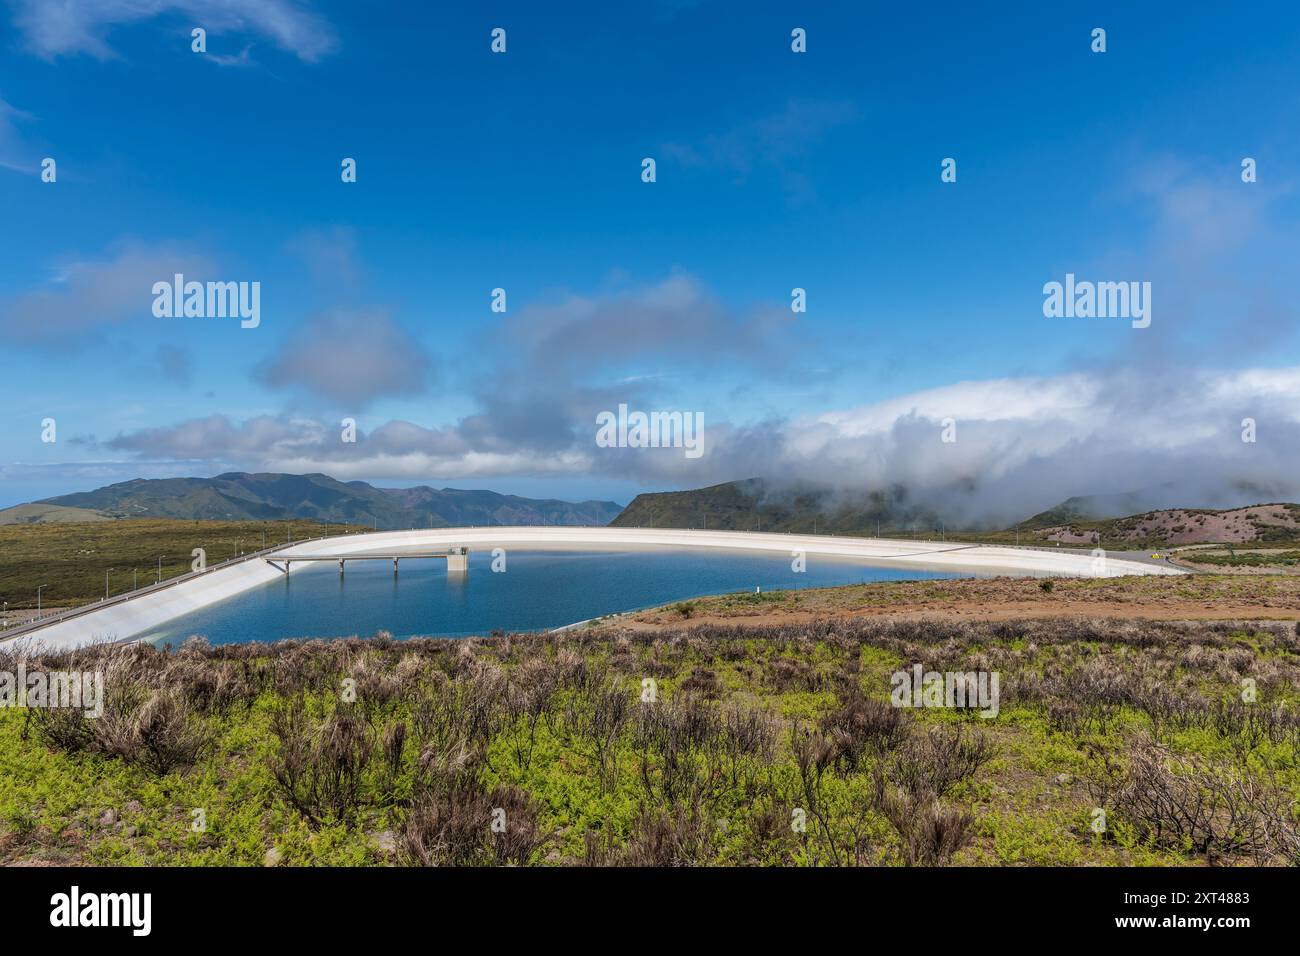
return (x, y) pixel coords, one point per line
(1254, 524)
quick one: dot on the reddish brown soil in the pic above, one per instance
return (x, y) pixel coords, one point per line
(1198, 598)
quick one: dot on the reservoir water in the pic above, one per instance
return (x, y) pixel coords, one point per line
(537, 591)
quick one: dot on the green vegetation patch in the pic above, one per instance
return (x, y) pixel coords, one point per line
(720, 745)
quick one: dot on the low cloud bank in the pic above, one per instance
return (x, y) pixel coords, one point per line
(978, 453)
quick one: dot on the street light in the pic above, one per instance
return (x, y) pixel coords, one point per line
(106, 570)
(38, 599)
(160, 557)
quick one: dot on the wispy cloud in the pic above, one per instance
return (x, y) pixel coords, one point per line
(242, 58)
(771, 142)
(87, 295)
(15, 153)
(54, 28)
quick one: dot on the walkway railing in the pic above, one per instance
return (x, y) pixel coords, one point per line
(78, 611)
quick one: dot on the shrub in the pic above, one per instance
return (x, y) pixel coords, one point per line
(319, 767)
(452, 821)
(1186, 802)
(929, 831)
(704, 682)
(930, 764)
(160, 735)
(860, 726)
(593, 723)
(447, 827)
(679, 835)
(63, 728)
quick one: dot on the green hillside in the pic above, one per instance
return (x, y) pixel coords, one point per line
(49, 514)
(755, 505)
(240, 496)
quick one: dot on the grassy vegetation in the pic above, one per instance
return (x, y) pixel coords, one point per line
(1271, 596)
(38, 513)
(1247, 559)
(71, 559)
(704, 746)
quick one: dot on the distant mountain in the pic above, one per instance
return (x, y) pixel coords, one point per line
(754, 504)
(242, 496)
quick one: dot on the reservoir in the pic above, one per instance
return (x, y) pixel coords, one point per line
(538, 591)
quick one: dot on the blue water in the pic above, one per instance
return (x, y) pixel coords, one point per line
(537, 591)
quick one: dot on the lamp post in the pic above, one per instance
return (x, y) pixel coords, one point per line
(38, 599)
(106, 570)
(160, 557)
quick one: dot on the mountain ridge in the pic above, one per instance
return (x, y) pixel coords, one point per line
(274, 496)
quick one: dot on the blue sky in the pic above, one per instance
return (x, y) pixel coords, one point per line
(775, 170)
